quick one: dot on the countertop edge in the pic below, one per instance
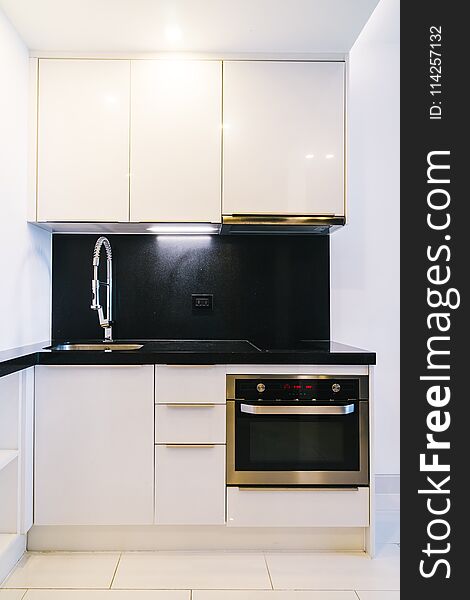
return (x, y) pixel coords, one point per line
(19, 363)
(205, 358)
(19, 359)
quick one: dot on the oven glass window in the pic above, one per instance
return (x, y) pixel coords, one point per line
(296, 442)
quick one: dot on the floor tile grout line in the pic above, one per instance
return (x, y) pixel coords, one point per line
(267, 568)
(115, 570)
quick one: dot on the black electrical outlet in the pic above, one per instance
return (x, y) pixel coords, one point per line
(202, 302)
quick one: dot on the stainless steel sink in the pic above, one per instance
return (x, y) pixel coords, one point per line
(107, 347)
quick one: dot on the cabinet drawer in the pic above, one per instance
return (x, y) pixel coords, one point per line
(190, 423)
(252, 507)
(200, 384)
(189, 485)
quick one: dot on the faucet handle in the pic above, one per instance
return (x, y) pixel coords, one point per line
(95, 295)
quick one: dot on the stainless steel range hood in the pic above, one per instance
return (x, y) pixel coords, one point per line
(280, 224)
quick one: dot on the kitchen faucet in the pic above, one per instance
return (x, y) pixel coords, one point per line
(105, 321)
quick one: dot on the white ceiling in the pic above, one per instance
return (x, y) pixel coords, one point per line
(207, 26)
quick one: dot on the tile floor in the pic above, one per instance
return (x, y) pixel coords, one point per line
(204, 576)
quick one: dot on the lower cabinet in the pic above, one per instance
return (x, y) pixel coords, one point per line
(94, 440)
(189, 484)
(301, 507)
(190, 423)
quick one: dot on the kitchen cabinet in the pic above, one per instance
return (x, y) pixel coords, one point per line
(83, 140)
(16, 452)
(302, 507)
(283, 138)
(201, 384)
(175, 144)
(122, 141)
(189, 484)
(16, 465)
(190, 423)
(94, 445)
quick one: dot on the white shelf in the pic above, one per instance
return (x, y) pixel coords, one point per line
(6, 456)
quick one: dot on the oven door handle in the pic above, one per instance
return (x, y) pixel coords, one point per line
(252, 409)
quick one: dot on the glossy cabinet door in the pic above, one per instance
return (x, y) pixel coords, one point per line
(283, 138)
(83, 140)
(94, 444)
(189, 484)
(176, 118)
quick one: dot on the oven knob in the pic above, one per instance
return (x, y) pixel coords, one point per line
(336, 387)
(260, 387)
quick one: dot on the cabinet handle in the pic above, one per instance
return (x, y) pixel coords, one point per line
(181, 405)
(297, 489)
(168, 366)
(190, 445)
(253, 409)
(101, 366)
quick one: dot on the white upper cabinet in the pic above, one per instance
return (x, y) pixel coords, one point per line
(283, 138)
(176, 118)
(141, 140)
(83, 140)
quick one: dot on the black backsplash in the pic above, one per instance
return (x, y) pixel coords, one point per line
(272, 290)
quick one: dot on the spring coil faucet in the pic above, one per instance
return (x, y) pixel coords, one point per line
(105, 321)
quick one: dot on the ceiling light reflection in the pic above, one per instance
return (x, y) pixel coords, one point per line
(173, 34)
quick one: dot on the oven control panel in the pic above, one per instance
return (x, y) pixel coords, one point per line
(302, 389)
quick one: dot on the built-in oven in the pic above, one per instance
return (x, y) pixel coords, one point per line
(297, 430)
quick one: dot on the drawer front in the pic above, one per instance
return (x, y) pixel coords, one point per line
(187, 385)
(189, 485)
(190, 423)
(251, 507)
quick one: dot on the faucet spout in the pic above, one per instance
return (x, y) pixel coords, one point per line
(104, 320)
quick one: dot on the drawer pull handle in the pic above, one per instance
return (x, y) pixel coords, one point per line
(297, 410)
(181, 405)
(296, 489)
(190, 445)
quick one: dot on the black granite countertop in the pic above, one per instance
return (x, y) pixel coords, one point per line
(188, 352)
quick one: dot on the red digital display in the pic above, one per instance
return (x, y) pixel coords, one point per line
(297, 387)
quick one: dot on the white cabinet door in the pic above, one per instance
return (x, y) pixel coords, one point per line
(83, 140)
(94, 445)
(283, 141)
(176, 119)
(189, 485)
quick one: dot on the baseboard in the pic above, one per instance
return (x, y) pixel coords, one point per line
(153, 537)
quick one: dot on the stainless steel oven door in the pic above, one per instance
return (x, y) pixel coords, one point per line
(316, 444)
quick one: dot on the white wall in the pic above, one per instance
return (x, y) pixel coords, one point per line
(25, 255)
(365, 254)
